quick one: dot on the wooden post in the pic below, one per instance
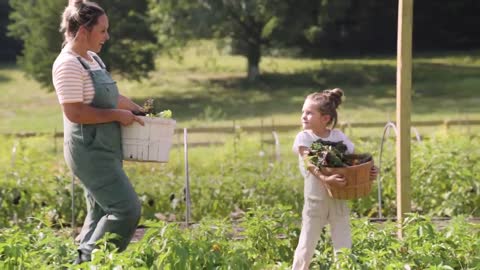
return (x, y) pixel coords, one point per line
(404, 104)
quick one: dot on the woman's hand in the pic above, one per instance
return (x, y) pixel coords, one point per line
(373, 173)
(127, 104)
(139, 111)
(126, 117)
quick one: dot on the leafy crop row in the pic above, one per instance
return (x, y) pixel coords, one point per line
(264, 239)
(445, 175)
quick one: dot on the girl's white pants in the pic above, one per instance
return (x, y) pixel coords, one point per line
(316, 214)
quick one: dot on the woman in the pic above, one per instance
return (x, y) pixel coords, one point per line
(93, 111)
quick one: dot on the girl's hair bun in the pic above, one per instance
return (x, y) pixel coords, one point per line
(334, 96)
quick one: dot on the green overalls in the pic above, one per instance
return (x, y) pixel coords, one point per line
(94, 154)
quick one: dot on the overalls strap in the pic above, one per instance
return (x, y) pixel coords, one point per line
(100, 62)
(84, 64)
(87, 67)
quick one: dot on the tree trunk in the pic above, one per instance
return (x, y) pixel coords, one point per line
(253, 57)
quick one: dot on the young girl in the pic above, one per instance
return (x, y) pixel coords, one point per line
(319, 117)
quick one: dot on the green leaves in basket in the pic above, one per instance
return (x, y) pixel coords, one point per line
(148, 106)
(149, 109)
(333, 154)
(328, 154)
(164, 114)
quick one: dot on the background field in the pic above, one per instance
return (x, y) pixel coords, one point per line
(246, 203)
(209, 88)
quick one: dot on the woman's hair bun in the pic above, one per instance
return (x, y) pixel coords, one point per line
(75, 3)
(79, 13)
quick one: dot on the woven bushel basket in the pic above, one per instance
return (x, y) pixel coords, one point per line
(357, 177)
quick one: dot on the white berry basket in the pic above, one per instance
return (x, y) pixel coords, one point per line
(148, 143)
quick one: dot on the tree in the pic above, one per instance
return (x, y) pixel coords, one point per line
(130, 52)
(36, 23)
(250, 24)
(132, 47)
(370, 26)
(345, 27)
(446, 25)
(10, 47)
(176, 22)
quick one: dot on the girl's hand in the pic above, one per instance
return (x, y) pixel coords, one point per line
(373, 173)
(336, 180)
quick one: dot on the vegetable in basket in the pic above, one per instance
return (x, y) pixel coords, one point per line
(333, 154)
(149, 110)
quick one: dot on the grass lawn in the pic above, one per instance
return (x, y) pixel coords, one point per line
(209, 88)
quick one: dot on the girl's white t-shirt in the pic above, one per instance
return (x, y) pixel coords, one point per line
(71, 80)
(313, 188)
